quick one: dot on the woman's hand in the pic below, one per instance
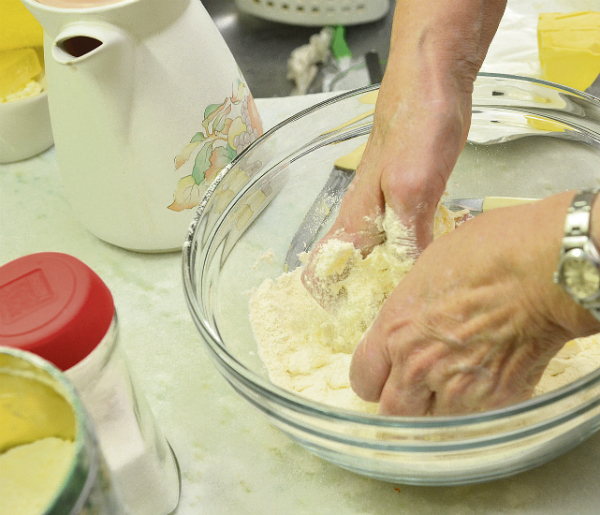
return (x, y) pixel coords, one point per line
(475, 322)
(421, 121)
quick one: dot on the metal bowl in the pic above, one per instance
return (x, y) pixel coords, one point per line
(528, 138)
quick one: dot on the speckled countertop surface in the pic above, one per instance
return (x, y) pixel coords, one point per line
(232, 459)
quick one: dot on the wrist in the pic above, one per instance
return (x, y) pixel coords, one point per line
(578, 267)
(446, 41)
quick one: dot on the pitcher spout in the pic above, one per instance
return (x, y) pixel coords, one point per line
(75, 47)
(94, 62)
(79, 43)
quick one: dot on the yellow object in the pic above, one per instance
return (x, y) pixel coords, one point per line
(31, 410)
(569, 47)
(18, 27)
(17, 68)
(350, 161)
(31, 475)
(545, 124)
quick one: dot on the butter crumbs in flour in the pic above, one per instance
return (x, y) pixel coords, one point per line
(308, 350)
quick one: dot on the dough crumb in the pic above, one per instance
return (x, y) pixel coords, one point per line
(268, 256)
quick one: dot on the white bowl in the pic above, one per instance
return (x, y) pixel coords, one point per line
(25, 129)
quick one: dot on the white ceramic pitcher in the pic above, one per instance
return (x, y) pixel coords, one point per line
(147, 104)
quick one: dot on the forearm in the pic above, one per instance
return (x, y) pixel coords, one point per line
(423, 111)
(442, 40)
(437, 48)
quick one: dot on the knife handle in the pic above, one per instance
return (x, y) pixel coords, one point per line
(496, 202)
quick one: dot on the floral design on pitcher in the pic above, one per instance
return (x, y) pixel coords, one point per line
(228, 128)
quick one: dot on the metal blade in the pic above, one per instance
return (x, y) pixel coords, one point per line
(472, 204)
(594, 87)
(479, 205)
(327, 201)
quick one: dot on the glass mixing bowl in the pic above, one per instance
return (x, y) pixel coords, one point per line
(528, 138)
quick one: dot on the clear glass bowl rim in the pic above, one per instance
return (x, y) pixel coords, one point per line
(306, 406)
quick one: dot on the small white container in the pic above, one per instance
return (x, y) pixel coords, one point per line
(25, 128)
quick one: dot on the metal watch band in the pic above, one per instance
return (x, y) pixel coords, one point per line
(577, 223)
(577, 233)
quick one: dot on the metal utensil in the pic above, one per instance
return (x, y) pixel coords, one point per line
(479, 205)
(594, 87)
(331, 195)
(327, 200)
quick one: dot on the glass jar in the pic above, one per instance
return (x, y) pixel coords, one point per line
(55, 306)
(50, 461)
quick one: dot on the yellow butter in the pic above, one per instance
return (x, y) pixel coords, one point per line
(545, 124)
(17, 68)
(569, 47)
(18, 27)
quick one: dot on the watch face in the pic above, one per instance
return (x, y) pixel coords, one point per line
(581, 277)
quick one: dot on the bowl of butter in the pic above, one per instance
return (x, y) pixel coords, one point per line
(25, 128)
(290, 359)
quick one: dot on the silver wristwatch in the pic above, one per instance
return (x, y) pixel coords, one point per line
(579, 264)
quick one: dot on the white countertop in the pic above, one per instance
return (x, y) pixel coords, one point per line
(232, 460)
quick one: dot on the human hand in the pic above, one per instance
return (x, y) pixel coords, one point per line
(475, 322)
(421, 121)
(405, 166)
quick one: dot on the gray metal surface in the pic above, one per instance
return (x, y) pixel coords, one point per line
(262, 47)
(594, 88)
(326, 202)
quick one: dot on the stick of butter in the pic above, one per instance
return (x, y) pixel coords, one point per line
(17, 68)
(18, 27)
(569, 47)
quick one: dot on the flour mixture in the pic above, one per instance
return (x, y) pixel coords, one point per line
(308, 349)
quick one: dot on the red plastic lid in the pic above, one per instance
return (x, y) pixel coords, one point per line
(55, 306)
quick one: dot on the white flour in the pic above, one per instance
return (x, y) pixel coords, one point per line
(308, 350)
(576, 359)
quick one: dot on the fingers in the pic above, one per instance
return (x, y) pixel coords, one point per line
(369, 369)
(406, 398)
(401, 388)
(358, 223)
(424, 381)
(330, 262)
(397, 382)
